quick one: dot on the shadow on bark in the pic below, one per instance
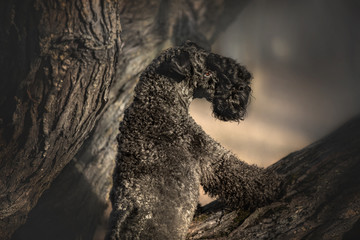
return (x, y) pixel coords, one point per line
(59, 215)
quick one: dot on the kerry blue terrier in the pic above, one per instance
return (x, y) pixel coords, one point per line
(164, 155)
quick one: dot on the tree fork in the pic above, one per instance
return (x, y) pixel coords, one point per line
(44, 42)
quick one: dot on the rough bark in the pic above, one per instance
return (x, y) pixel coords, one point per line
(58, 60)
(321, 198)
(75, 203)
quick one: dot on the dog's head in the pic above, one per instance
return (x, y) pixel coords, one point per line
(232, 87)
(222, 81)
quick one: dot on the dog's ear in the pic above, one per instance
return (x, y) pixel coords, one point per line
(177, 68)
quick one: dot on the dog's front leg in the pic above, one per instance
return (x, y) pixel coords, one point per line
(238, 183)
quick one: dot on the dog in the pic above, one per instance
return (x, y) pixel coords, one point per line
(163, 155)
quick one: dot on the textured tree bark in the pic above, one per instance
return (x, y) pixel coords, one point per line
(321, 198)
(58, 60)
(66, 54)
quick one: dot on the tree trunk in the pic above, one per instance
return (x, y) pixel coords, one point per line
(62, 71)
(321, 200)
(58, 60)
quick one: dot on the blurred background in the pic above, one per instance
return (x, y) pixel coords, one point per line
(305, 61)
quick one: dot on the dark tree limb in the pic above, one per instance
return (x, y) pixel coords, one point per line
(58, 60)
(321, 198)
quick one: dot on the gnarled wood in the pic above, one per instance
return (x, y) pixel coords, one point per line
(58, 60)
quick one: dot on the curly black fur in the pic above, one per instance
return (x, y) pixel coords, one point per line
(164, 155)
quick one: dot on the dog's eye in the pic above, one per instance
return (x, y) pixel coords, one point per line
(207, 74)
